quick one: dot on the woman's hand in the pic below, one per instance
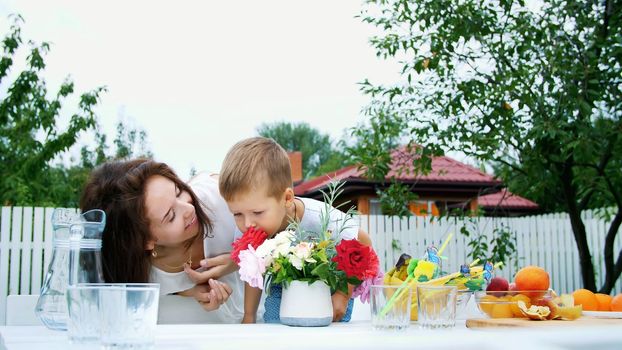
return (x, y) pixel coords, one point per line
(340, 304)
(212, 268)
(211, 294)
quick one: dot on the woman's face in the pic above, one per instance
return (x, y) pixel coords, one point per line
(170, 211)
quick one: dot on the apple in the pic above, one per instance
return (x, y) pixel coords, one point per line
(512, 287)
(498, 284)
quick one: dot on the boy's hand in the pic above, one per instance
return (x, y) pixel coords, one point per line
(215, 268)
(212, 294)
(249, 319)
(340, 304)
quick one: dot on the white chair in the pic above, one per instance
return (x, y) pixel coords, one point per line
(20, 310)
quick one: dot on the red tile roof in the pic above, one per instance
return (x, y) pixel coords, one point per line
(506, 200)
(445, 170)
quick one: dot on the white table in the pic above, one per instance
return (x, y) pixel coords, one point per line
(356, 335)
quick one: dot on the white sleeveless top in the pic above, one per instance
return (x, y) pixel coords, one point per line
(178, 309)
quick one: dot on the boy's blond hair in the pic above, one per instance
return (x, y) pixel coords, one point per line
(253, 163)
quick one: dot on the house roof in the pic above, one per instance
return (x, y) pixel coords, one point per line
(506, 200)
(445, 171)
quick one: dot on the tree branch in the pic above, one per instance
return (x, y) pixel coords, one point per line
(605, 28)
(600, 169)
(612, 272)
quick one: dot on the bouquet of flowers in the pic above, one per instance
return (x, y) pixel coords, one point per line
(295, 255)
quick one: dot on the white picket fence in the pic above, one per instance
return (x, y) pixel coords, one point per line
(545, 240)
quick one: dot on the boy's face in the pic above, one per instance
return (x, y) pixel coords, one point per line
(257, 208)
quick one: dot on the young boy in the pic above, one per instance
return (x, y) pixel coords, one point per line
(256, 182)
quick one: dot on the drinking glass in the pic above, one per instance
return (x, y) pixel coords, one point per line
(129, 314)
(83, 309)
(390, 307)
(437, 306)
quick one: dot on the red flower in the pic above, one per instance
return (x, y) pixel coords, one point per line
(356, 260)
(253, 236)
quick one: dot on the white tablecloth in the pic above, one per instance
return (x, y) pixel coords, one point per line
(357, 335)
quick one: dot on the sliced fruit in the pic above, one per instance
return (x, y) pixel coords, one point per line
(515, 309)
(502, 311)
(562, 308)
(486, 304)
(534, 312)
(569, 313)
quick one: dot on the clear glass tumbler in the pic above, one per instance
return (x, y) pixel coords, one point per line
(128, 315)
(436, 306)
(83, 324)
(390, 307)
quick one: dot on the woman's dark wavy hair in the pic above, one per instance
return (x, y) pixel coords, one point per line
(118, 188)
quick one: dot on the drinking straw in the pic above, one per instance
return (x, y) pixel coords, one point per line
(440, 251)
(400, 289)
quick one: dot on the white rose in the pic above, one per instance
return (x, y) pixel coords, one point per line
(266, 248)
(296, 261)
(283, 242)
(303, 250)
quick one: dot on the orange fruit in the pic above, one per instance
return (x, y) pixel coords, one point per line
(604, 301)
(487, 303)
(503, 308)
(502, 311)
(514, 307)
(616, 303)
(532, 278)
(585, 298)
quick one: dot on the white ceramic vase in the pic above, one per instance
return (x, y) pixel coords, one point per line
(306, 305)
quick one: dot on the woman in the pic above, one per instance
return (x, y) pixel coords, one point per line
(160, 229)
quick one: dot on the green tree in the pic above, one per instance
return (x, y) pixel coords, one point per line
(534, 89)
(29, 136)
(318, 154)
(64, 184)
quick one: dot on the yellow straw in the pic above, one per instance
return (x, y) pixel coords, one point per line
(474, 262)
(479, 273)
(395, 296)
(440, 251)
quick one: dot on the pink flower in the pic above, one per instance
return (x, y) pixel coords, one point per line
(252, 267)
(362, 291)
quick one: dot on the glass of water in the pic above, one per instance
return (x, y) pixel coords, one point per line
(128, 315)
(390, 307)
(83, 311)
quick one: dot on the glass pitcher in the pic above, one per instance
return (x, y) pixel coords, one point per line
(76, 258)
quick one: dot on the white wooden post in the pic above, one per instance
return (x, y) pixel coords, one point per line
(5, 234)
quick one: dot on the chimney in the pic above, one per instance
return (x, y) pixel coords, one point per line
(295, 161)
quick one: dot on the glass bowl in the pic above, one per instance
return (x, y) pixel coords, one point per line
(497, 304)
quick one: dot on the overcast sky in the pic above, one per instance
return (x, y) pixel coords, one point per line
(200, 75)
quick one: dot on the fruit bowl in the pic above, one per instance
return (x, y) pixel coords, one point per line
(504, 304)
